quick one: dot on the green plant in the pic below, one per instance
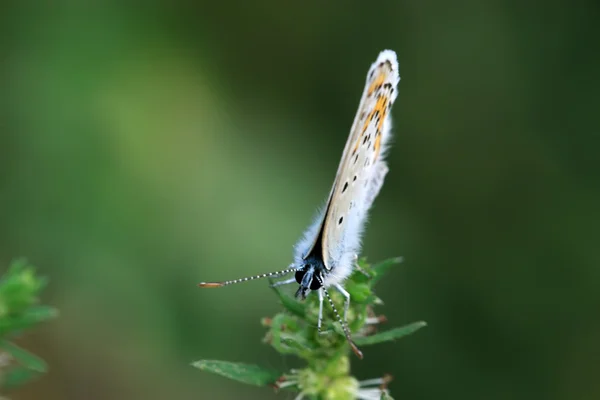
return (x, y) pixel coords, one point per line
(327, 372)
(19, 310)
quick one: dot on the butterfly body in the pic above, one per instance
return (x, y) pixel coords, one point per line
(327, 252)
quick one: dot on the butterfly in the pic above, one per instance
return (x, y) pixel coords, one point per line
(328, 251)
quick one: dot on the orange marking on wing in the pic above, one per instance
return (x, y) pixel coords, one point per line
(382, 108)
(366, 125)
(377, 146)
(355, 148)
(377, 82)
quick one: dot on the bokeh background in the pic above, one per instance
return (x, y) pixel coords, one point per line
(144, 148)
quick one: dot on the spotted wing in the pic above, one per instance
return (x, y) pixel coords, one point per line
(362, 169)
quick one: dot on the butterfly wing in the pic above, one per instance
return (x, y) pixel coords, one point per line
(335, 233)
(362, 169)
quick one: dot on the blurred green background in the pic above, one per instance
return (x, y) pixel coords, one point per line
(146, 148)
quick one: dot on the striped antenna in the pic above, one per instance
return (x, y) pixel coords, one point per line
(344, 324)
(250, 278)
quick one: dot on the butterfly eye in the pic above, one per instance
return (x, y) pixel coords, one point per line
(315, 284)
(299, 275)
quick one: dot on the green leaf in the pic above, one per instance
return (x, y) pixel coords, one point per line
(245, 373)
(392, 334)
(285, 336)
(377, 271)
(296, 342)
(23, 357)
(41, 313)
(359, 292)
(17, 376)
(290, 303)
(361, 276)
(27, 318)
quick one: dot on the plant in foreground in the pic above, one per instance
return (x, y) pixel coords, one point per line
(327, 373)
(19, 310)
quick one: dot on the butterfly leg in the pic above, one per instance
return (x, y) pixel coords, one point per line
(320, 310)
(287, 281)
(347, 302)
(319, 322)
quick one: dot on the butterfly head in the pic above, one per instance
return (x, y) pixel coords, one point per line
(309, 278)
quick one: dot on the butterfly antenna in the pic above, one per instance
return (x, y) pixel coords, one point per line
(250, 278)
(344, 324)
